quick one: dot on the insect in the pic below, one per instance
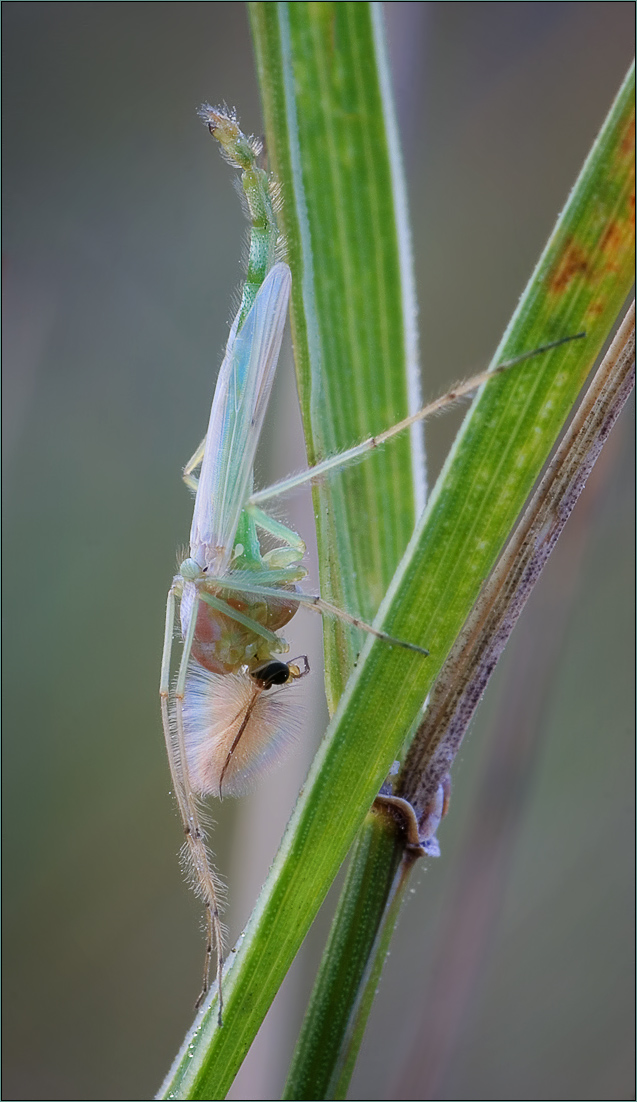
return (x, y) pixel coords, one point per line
(223, 723)
(229, 714)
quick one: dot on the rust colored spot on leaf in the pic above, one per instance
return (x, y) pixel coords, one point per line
(611, 238)
(594, 310)
(571, 263)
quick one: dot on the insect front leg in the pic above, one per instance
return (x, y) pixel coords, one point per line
(208, 886)
(175, 759)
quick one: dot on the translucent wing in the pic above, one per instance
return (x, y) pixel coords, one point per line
(238, 408)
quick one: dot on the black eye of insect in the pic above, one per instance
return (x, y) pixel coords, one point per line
(271, 673)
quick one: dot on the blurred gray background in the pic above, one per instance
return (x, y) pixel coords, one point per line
(122, 247)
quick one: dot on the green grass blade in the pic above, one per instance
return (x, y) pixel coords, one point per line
(580, 282)
(352, 962)
(331, 141)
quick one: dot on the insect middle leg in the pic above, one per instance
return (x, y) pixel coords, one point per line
(294, 547)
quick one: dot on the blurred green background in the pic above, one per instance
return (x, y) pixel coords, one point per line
(122, 248)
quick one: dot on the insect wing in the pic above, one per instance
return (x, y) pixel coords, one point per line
(238, 408)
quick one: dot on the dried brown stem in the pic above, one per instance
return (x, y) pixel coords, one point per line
(471, 662)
